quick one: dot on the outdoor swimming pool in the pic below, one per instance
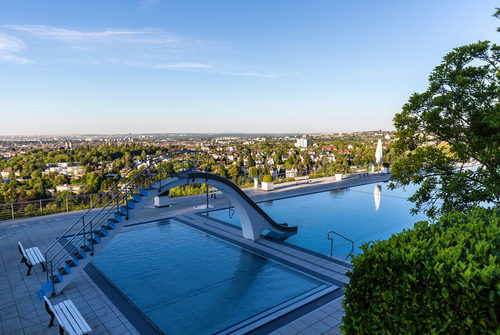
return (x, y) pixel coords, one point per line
(189, 282)
(361, 213)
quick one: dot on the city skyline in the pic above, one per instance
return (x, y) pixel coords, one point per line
(166, 67)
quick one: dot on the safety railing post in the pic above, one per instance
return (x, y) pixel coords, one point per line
(91, 239)
(149, 177)
(206, 186)
(83, 227)
(126, 202)
(12, 210)
(52, 278)
(159, 190)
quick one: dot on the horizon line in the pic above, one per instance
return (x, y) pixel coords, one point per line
(201, 133)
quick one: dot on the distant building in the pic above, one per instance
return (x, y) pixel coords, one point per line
(291, 172)
(6, 173)
(302, 143)
(70, 188)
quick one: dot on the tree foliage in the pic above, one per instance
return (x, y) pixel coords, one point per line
(454, 122)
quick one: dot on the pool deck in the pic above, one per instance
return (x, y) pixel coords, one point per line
(22, 312)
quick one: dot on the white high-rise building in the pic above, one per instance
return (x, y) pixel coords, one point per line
(302, 143)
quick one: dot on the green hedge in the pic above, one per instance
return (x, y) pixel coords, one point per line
(267, 179)
(439, 278)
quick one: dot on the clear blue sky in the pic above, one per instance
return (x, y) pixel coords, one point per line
(222, 66)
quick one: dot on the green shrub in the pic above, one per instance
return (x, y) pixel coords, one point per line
(439, 278)
(267, 179)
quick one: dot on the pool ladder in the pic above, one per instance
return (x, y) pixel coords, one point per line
(330, 237)
(231, 210)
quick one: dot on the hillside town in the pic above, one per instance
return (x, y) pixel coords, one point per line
(37, 168)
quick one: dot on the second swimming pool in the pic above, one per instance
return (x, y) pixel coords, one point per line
(361, 213)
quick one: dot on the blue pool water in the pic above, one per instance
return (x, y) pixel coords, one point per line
(189, 282)
(352, 212)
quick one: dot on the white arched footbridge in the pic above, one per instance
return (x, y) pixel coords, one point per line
(254, 220)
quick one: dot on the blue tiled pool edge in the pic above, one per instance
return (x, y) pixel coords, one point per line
(133, 314)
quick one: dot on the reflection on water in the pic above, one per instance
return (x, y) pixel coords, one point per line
(338, 193)
(377, 191)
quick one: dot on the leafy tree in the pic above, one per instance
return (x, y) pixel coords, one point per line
(92, 182)
(461, 111)
(253, 172)
(497, 15)
(221, 171)
(234, 171)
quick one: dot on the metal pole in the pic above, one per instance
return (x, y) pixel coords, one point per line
(52, 279)
(159, 190)
(67, 205)
(206, 185)
(41, 210)
(126, 202)
(12, 210)
(91, 239)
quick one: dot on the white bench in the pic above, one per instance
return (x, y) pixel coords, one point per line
(31, 256)
(300, 180)
(69, 318)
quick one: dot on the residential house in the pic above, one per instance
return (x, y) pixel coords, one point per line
(291, 172)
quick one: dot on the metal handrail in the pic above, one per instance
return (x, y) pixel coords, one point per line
(106, 210)
(330, 237)
(111, 189)
(50, 199)
(102, 209)
(92, 207)
(120, 195)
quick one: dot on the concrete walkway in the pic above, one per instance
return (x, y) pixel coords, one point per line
(22, 312)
